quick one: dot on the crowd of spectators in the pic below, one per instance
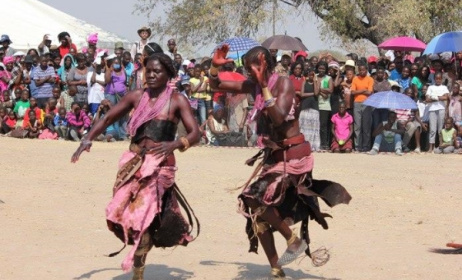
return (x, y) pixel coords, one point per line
(59, 91)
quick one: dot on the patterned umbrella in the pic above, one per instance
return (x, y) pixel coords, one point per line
(239, 44)
(390, 100)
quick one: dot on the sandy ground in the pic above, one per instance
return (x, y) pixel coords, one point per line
(53, 224)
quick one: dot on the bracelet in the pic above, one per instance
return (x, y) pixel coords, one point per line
(214, 70)
(266, 93)
(185, 143)
(270, 102)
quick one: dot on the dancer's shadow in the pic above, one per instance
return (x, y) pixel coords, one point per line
(261, 272)
(152, 271)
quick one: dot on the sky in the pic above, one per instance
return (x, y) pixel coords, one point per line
(118, 17)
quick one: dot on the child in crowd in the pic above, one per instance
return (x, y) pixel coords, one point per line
(33, 125)
(6, 101)
(60, 123)
(67, 97)
(455, 104)
(112, 132)
(448, 135)
(86, 109)
(78, 121)
(57, 95)
(346, 85)
(342, 130)
(34, 107)
(4, 128)
(22, 105)
(10, 122)
(17, 94)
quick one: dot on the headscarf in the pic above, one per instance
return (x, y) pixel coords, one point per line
(8, 59)
(62, 71)
(93, 38)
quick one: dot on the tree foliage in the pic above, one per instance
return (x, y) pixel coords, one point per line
(201, 21)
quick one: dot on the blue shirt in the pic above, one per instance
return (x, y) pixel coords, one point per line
(46, 89)
(395, 75)
(404, 83)
(129, 70)
(60, 121)
(32, 87)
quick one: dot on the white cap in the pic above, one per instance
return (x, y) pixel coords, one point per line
(19, 53)
(112, 56)
(186, 62)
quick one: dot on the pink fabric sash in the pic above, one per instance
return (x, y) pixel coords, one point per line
(145, 112)
(259, 104)
(137, 215)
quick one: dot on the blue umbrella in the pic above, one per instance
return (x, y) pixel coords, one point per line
(446, 42)
(390, 100)
(238, 44)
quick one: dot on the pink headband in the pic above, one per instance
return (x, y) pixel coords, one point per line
(8, 59)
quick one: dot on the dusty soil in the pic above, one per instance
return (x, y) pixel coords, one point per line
(53, 223)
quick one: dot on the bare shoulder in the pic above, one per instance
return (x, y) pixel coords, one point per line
(134, 96)
(179, 99)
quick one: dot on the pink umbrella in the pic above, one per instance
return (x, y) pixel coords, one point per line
(403, 44)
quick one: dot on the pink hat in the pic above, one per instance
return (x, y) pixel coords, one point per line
(92, 38)
(190, 65)
(301, 53)
(8, 59)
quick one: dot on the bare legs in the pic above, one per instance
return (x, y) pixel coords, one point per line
(140, 256)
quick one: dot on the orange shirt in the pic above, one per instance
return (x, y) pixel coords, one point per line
(360, 83)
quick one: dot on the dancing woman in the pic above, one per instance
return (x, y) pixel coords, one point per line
(145, 210)
(284, 192)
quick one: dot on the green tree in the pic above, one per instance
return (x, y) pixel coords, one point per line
(200, 21)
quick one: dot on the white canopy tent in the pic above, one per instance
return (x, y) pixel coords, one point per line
(27, 21)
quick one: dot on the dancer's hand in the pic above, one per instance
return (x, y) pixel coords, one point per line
(219, 57)
(164, 148)
(84, 146)
(260, 72)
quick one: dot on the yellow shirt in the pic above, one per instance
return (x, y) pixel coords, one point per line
(200, 94)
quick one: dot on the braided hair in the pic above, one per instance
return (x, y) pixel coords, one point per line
(165, 60)
(252, 56)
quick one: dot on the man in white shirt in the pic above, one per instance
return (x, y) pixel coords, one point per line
(96, 86)
(172, 49)
(44, 46)
(144, 33)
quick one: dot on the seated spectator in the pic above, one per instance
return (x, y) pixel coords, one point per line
(22, 105)
(86, 109)
(6, 101)
(78, 121)
(4, 117)
(448, 135)
(33, 125)
(410, 120)
(388, 136)
(112, 132)
(216, 125)
(34, 107)
(60, 123)
(342, 130)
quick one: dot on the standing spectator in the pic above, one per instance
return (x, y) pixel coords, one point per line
(388, 136)
(44, 46)
(67, 97)
(405, 80)
(309, 110)
(419, 81)
(6, 42)
(96, 86)
(115, 79)
(447, 136)
(455, 104)
(346, 90)
(283, 67)
(128, 67)
(342, 130)
(144, 33)
(78, 77)
(395, 74)
(5, 73)
(437, 95)
(336, 96)
(380, 84)
(199, 90)
(296, 77)
(119, 49)
(326, 87)
(66, 44)
(172, 48)
(361, 88)
(44, 78)
(63, 72)
(78, 121)
(436, 67)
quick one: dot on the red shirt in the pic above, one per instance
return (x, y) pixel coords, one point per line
(63, 50)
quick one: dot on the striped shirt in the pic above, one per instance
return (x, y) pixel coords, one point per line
(46, 89)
